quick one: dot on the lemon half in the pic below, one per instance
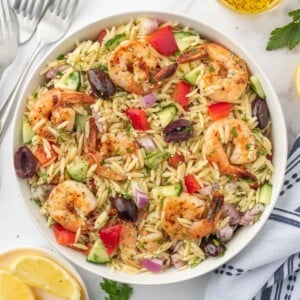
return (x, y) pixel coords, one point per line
(297, 80)
(12, 288)
(45, 274)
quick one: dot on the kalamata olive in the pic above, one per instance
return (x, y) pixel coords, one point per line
(101, 85)
(127, 210)
(165, 73)
(212, 246)
(178, 131)
(261, 112)
(24, 162)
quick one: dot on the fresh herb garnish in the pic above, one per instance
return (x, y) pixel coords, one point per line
(288, 35)
(61, 57)
(234, 132)
(115, 290)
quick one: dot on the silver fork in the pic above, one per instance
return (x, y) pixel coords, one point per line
(28, 12)
(53, 25)
(8, 36)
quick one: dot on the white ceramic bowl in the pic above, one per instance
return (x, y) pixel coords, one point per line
(279, 140)
(10, 255)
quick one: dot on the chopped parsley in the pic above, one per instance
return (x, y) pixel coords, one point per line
(61, 57)
(234, 132)
(116, 290)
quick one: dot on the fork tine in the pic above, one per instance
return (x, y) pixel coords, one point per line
(2, 20)
(16, 5)
(37, 9)
(23, 7)
(30, 9)
(71, 9)
(6, 24)
(64, 8)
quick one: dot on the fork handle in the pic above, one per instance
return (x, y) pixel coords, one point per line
(9, 103)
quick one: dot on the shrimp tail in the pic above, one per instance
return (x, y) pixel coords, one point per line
(192, 54)
(217, 203)
(238, 172)
(69, 96)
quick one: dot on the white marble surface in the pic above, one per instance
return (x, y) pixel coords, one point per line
(250, 31)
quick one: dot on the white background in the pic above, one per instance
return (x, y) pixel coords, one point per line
(252, 32)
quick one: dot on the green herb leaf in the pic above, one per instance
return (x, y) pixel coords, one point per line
(234, 132)
(288, 35)
(115, 290)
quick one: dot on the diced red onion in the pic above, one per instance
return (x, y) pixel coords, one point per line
(177, 246)
(225, 233)
(141, 198)
(98, 122)
(177, 263)
(251, 215)
(153, 265)
(230, 210)
(148, 26)
(52, 73)
(209, 189)
(147, 142)
(232, 185)
(41, 192)
(148, 100)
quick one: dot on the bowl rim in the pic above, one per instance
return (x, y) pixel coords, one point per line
(158, 279)
(59, 259)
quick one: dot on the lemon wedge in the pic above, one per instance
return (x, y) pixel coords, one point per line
(12, 288)
(297, 79)
(45, 274)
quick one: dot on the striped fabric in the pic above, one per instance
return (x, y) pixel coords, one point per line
(269, 268)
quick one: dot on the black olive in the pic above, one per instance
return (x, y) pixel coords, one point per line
(24, 162)
(178, 131)
(261, 112)
(212, 246)
(127, 210)
(101, 85)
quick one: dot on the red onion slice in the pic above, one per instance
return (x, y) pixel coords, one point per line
(148, 26)
(148, 100)
(153, 265)
(177, 263)
(141, 198)
(147, 143)
(53, 72)
(98, 122)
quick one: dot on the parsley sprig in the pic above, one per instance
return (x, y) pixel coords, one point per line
(288, 35)
(115, 290)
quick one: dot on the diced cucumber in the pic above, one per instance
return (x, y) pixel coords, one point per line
(173, 190)
(98, 254)
(256, 86)
(167, 114)
(192, 76)
(115, 41)
(154, 158)
(27, 132)
(265, 193)
(70, 82)
(181, 41)
(80, 122)
(77, 171)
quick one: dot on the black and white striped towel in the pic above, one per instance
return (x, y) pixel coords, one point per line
(269, 268)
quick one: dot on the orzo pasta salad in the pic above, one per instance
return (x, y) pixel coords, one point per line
(147, 148)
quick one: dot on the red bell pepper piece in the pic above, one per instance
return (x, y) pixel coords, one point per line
(138, 118)
(191, 183)
(175, 160)
(110, 237)
(181, 90)
(219, 110)
(163, 40)
(101, 35)
(63, 236)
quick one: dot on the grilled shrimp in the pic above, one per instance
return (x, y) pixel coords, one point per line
(52, 107)
(133, 66)
(244, 150)
(201, 217)
(69, 203)
(226, 70)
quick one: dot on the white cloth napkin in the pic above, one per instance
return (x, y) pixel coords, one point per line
(269, 267)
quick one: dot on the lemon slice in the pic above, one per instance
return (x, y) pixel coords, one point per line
(12, 288)
(297, 80)
(45, 274)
